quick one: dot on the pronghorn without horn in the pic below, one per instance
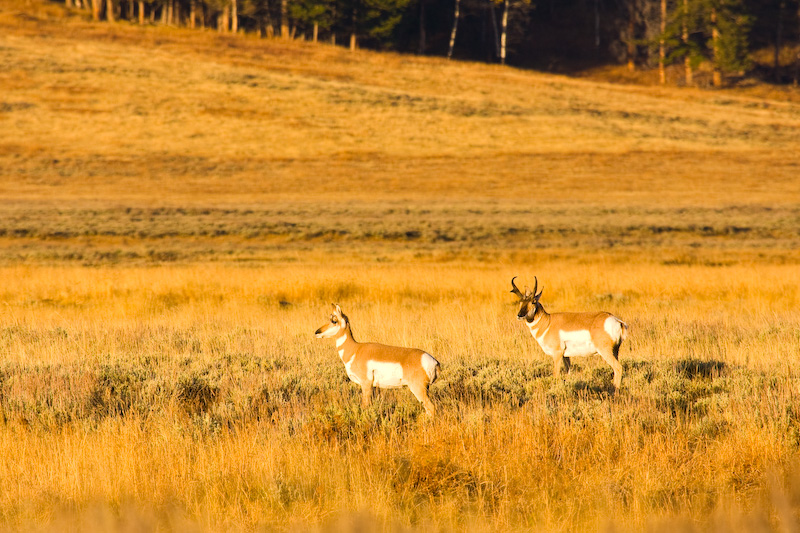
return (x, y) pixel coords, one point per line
(565, 335)
(376, 365)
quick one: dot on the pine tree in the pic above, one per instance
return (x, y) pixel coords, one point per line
(727, 25)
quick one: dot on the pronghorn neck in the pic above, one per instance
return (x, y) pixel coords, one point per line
(541, 320)
(345, 342)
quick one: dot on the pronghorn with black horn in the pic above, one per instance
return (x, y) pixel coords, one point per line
(376, 365)
(565, 335)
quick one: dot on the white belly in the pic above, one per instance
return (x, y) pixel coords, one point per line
(385, 375)
(577, 343)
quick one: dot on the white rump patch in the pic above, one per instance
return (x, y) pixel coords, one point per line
(429, 365)
(613, 328)
(385, 375)
(577, 343)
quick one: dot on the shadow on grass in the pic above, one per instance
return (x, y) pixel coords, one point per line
(696, 368)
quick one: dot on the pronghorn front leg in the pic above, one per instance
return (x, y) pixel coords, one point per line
(559, 362)
(366, 392)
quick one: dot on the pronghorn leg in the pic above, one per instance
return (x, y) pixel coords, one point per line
(420, 392)
(366, 394)
(611, 356)
(566, 364)
(559, 361)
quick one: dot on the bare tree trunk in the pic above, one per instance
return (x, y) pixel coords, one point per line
(315, 33)
(717, 73)
(68, 3)
(141, 12)
(192, 14)
(96, 7)
(176, 12)
(421, 47)
(453, 32)
(503, 33)
(631, 36)
(285, 19)
(797, 57)
(778, 31)
(130, 10)
(224, 21)
(597, 24)
(662, 45)
(333, 39)
(234, 16)
(687, 60)
(354, 30)
(494, 29)
(269, 28)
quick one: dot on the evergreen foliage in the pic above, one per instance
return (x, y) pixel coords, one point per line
(555, 36)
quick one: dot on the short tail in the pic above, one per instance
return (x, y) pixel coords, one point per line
(431, 367)
(623, 334)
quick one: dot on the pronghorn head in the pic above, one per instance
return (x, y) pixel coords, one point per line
(335, 326)
(528, 302)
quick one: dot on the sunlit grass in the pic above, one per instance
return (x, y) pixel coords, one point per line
(194, 390)
(179, 209)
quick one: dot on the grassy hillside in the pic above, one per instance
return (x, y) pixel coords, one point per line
(178, 209)
(121, 112)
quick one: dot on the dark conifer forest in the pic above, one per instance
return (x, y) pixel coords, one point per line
(691, 42)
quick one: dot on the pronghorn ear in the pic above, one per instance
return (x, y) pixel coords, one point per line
(337, 308)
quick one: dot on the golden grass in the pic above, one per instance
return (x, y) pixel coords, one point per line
(177, 117)
(192, 391)
(178, 209)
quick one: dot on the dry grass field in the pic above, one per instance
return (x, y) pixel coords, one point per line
(178, 209)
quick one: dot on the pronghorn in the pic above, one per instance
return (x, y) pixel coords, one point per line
(376, 365)
(565, 335)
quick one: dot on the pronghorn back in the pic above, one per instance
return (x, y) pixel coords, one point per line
(411, 362)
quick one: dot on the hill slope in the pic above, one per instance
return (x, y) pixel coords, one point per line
(255, 144)
(118, 111)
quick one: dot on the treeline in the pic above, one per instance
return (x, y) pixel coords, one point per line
(708, 41)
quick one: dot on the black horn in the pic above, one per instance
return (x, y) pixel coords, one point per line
(515, 289)
(536, 295)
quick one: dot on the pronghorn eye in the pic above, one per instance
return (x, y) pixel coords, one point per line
(333, 320)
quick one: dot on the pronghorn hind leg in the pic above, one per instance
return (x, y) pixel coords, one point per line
(567, 364)
(421, 394)
(611, 356)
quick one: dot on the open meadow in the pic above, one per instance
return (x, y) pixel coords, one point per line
(178, 210)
